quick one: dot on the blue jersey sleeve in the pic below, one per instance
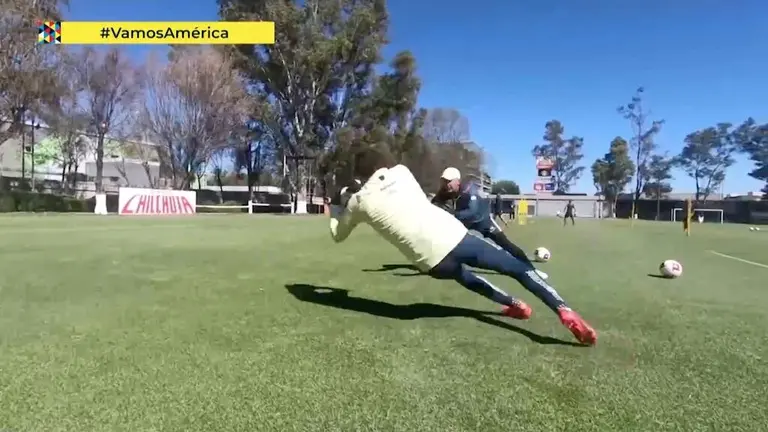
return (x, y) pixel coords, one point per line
(468, 205)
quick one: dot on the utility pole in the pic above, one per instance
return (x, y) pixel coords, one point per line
(23, 151)
(32, 150)
(22, 119)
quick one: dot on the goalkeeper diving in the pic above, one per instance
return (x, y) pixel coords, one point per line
(392, 202)
(463, 200)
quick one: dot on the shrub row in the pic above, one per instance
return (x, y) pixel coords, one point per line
(23, 201)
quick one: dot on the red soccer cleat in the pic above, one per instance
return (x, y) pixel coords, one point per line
(576, 324)
(518, 311)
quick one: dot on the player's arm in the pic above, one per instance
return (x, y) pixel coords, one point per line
(343, 218)
(468, 206)
(443, 203)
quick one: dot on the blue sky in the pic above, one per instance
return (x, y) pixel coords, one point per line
(511, 66)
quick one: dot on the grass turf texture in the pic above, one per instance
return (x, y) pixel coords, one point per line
(238, 323)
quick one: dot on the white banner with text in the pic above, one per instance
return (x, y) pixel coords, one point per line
(156, 202)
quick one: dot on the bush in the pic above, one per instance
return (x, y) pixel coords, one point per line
(77, 205)
(7, 203)
(24, 201)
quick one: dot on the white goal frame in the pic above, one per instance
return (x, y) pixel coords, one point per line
(249, 206)
(676, 209)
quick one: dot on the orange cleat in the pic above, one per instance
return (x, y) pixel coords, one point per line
(518, 311)
(576, 324)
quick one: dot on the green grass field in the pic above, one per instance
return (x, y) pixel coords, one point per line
(237, 323)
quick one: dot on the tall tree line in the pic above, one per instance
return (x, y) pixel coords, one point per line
(705, 156)
(303, 106)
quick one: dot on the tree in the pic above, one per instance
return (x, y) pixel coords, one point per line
(319, 73)
(752, 139)
(126, 152)
(446, 125)
(659, 174)
(706, 156)
(447, 132)
(253, 148)
(613, 172)
(218, 161)
(27, 74)
(68, 122)
(642, 143)
(390, 116)
(505, 187)
(193, 103)
(566, 155)
(109, 86)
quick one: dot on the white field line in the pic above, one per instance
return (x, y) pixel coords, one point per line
(756, 264)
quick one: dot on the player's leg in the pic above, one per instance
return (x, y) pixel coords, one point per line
(501, 239)
(573, 219)
(452, 268)
(496, 234)
(477, 252)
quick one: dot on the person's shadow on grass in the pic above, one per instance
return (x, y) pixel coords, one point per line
(340, 298)
(414, 270)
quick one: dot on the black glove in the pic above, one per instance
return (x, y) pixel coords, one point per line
(443, 203)
(353, 187)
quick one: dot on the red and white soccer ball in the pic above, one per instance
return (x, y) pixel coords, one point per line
(671, 269)
(542, 254)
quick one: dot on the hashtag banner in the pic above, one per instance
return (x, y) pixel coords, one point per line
(48, 32)
(160, 33)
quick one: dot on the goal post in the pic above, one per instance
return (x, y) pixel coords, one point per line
(250, 207)
(224, 208)
(699, 215)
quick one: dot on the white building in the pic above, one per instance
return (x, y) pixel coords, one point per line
(126, 163)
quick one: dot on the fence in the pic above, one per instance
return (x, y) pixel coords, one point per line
(735, 211)
(550, 205)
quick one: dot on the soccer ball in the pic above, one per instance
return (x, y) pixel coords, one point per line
(751, 228)
(671, 269)
(542, 254)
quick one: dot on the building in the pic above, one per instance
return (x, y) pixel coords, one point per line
(126, 162)
(482, 176)
(749, 196)
(484, 180)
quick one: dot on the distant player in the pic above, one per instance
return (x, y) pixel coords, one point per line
(395, 206)
(570, 213)
(467, 208)
(498, 209)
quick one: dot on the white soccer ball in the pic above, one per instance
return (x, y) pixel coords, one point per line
(751, 228)
(542, 254)
(558, 213)
(671, 269)
(757, 228)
